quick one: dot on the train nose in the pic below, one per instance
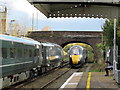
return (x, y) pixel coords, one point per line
(76, 59)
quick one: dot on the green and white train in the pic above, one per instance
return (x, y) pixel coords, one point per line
(22, 58)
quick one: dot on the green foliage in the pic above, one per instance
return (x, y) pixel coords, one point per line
(100, 50)
(108, 32)
(118, 35)
(88, 47)
(67, 47)
(100, 46)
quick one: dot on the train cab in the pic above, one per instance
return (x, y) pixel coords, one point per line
(76, 56)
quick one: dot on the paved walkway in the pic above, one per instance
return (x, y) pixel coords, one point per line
(90, 80)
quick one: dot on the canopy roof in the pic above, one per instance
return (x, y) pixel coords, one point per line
(78, 8)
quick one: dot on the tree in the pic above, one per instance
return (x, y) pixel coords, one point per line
(108, 32)
(108, 35)
(17, 29)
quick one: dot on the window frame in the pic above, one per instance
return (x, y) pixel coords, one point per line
(6, 53)
(14, 52)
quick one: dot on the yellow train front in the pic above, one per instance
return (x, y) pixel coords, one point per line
(77, 56)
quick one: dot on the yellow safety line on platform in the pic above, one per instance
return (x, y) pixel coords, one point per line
(88, 81)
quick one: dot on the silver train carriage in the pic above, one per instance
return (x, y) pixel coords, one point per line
(52, 56)
(77, 56)
(23, 58)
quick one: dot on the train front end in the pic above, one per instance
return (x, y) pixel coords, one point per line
(75, 56)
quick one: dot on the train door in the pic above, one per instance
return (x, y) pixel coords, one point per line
(40, 55)
(43, 55)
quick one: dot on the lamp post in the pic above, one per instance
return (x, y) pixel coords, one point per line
(11, 31)
(114, 39)
(114, 49)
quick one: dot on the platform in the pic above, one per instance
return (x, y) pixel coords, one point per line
(90, 80)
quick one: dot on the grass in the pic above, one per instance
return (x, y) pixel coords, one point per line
(98, 67)
(94, 70)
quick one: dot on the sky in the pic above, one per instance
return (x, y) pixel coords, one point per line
(22, 11)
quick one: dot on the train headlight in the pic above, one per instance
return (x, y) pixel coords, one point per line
(48, 65)
(81, 56)
(70, 55)
(37, 46)
(47, 57)
(57, 56)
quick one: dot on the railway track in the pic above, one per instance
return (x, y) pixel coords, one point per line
(24, 83)
(53, 80)
(45, 80)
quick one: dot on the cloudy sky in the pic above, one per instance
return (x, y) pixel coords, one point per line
(22, 11)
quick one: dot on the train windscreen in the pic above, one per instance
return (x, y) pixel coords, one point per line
(76, 51)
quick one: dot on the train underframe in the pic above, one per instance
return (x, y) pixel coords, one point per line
(22, 76)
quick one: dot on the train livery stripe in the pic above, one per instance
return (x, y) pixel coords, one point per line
(72, 81)
(15, 64)
(88, 81)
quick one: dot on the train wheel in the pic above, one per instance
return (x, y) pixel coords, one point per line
(40, 71)
(31, 74)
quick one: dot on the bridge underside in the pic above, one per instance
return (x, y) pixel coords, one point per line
(78, 8)
(65, 37)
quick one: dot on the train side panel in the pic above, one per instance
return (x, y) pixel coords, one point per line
(23, 59)
(52, 56)
(18, 59)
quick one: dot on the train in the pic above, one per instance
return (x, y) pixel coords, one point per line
(24, 58)
(77, 56)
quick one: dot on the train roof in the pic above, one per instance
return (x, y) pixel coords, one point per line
(47, 44)
(19, 40)
(50, 44)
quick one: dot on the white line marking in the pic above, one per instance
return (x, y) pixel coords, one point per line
(72, 83)
(74, 74)
(15, 64)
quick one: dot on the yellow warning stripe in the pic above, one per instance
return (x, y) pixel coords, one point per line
(88, 81)
(51, 57)
(75, 59)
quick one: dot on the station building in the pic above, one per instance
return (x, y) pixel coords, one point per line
(3, 21)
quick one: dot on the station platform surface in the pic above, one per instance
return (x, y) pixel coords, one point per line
(90, 80)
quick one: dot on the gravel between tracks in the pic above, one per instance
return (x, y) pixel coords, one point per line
(42, 80)
(59, 82)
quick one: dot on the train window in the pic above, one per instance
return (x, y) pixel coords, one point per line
(36, 52)
(12, 52)
(26, 53)
(118, 48)
(4, 52)
(30, 53)
(76, 51)
(52, 52)
(59, 51)
(19, 52)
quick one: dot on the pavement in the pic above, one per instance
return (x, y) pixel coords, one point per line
(90, 80)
